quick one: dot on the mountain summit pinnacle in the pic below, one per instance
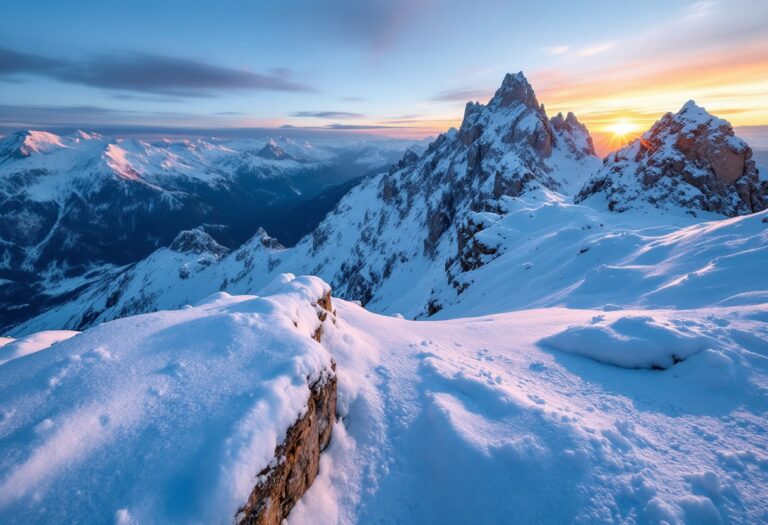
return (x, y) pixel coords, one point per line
(515, 89)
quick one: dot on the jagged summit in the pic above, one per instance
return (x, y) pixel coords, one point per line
(262, 238)
(690, 160)
(514, 118)
(573, 133)
(515, 89)
(273, 151)
(197, 241)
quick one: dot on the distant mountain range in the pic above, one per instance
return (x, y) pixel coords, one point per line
(76, 205)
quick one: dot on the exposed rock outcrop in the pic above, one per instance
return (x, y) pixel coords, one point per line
(297, 459)
(690, 160)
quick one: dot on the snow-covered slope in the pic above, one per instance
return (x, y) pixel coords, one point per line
(690, 161)
(477, 420)
(536, 416)
(161, 418)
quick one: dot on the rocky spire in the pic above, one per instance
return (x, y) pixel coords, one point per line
(515, 89)
(573, 133)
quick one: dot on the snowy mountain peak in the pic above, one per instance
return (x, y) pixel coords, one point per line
(573, 134)
(515, 89)
(196, 241)
(24, 143)
(85, 135)
(261, 237)
(690, 160)
(273, 151)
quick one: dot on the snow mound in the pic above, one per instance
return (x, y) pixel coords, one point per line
(15, 348)
(630, 341)
(161, 418)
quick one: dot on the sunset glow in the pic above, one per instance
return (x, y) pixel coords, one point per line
(408, 74)
(622, 128)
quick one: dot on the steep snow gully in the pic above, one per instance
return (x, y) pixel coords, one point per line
(592, 348)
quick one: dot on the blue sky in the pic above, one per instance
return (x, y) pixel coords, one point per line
(407, 66)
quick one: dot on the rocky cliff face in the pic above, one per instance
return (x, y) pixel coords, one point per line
(690, 160)
(297, 459)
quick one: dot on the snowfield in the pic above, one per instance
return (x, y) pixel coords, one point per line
(480, 420)
(161, 418)
(537, 416)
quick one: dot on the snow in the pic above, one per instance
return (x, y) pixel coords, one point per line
(165, 417)
(14, 348)
(160, 418)
(76, 161)
(473, 420)
(630, 342)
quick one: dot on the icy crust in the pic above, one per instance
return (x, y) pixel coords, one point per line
(688, 162)
(472, 420)
(161, 418)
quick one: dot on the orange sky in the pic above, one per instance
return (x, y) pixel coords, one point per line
(638, 79)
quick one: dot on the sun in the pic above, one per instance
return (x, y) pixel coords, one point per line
(620, 133)
(622, 128)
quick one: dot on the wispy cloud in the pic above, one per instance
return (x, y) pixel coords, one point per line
(50, 115)
(376, 24)
(327, 114)
(557, 50)
(460, 95)
(146, 73)
(701, 9)
(356, 126)
(595, 49)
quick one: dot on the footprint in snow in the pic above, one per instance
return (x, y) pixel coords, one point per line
(536, 399)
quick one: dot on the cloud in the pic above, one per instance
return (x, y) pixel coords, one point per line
(327, 114)
(352, 99)
(460, 95)
(557, 50)
(14, 62)
(56, 115)
(595, 49)
(357, 126)
(145, 73)
(376, 24)
(701, 9)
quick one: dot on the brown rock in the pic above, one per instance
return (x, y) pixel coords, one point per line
(296, 461)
